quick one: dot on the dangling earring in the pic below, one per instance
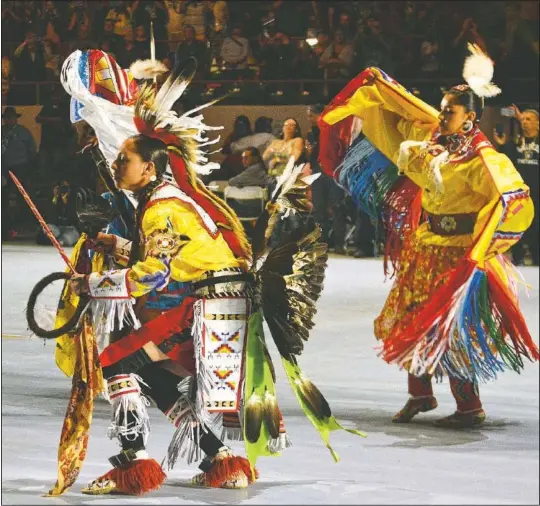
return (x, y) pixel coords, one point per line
(153, 178)
(467, 126)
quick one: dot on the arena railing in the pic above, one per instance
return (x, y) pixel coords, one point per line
(285, 92)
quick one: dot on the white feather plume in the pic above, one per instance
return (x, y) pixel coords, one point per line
(147, 69)
(478, 72)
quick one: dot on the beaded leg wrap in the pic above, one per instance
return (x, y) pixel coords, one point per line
(421, 399)
(225, 471)
(469, 411)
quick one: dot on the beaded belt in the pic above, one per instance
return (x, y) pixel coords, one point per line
(222, 283)
(451, 224)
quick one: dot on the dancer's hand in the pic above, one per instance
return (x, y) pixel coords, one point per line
(103, 243)
(78, 284)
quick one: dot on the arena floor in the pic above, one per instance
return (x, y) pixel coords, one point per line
(396, 464)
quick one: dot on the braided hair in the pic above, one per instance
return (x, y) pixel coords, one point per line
(155, 151)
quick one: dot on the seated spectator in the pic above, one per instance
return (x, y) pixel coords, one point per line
(29, 66)
(373, 46)
(468, 34)
(121, 17)
(196, 15)
(279, 151)
(141, 43)
(62, 217)
(276, 157)
(176, 23)
(191, 47)
(53, 22)
(128, 53)
(277, 58)
(235, 51)
(260, 139)
(153, 12)
(232, 164)
(78, 16)
(520, 42)
(429, 63)
(288, 18)
(7, 76)
(337, 58)
(100, 9)
(52, 60)
(82, 40)
(12, 22)
(254, 173)
(32, 18)
(323, 41)
(113, 41)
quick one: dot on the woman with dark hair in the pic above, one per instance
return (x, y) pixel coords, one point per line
(451, 208)
(289, 143)
(232, 164)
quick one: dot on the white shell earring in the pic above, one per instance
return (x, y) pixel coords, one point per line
(153, 178)
(467, 126)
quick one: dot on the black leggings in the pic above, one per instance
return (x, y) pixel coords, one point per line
(162, 389)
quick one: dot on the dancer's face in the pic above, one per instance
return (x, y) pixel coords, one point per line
(131, 172)
(453, 115)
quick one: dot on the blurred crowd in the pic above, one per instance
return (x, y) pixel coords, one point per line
(264, 42)
(269, 40)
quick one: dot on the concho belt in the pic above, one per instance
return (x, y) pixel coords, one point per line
(222, 283)
(451, 224)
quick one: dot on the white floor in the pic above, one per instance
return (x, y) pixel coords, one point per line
(397, 464)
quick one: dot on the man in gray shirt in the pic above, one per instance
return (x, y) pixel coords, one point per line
(254, 173)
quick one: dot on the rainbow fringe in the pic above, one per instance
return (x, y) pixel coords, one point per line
(391, 201)
(472, 328)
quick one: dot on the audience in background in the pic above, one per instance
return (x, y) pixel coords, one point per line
(522, 149)
(260, 139)
(62, 218)
(254, 173)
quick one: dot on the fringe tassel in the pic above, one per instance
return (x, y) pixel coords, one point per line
(109, 315)
(204, 381)
(138, 477)
(473, 329)
(279, 444)
(189, 424)
(401, 212)
(132, 401)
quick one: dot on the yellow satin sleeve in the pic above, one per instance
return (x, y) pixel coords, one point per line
(390, 115)
(177, 246)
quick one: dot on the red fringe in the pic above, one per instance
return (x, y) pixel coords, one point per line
(138, 477)
(419, 323)
(405, 198)
(511, 317)
(224, 469)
